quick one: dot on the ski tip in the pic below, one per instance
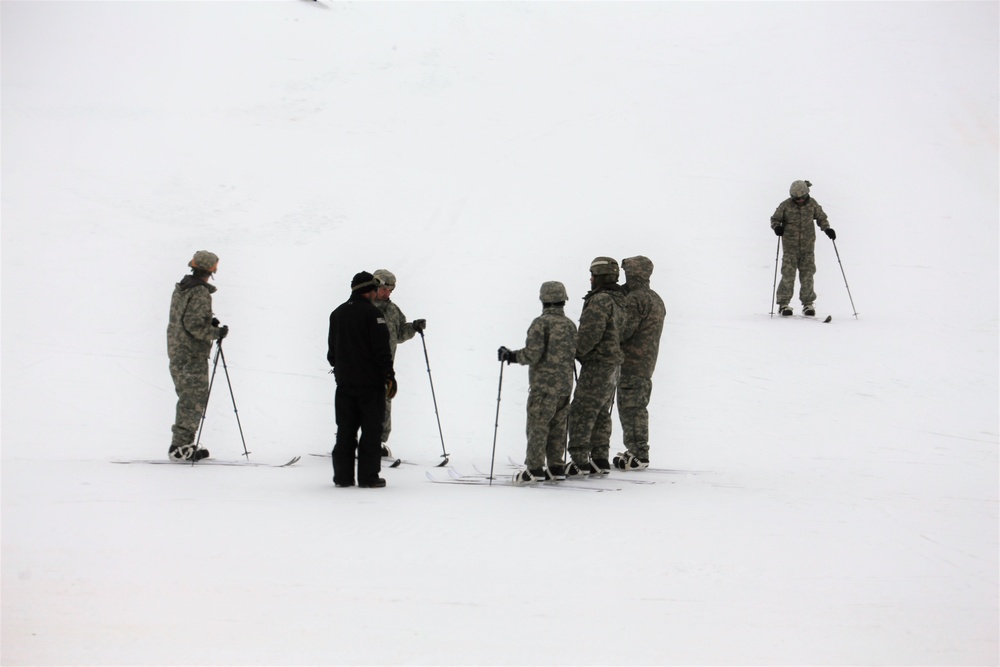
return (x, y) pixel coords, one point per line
(443, 463)
(829, 318)
(396, 463)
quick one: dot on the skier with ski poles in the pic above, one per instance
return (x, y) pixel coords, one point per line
(598, 349)
(400, 331)
(550, 354)
(191, 331)
(793, 222)
(640, 348)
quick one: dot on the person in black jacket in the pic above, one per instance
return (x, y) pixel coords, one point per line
(362, 364)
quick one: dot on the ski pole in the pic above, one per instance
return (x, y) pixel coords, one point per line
(208, 395)
(845, 278)
(576, 381)
(614, 394)
(444, 454)
(232, 396)
(774, 290)
(496, 425)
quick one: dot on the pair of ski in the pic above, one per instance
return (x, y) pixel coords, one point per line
(216, 462)
(588, 483)
(387, 461)
(480, 478)
(511, 463)
(814, 318)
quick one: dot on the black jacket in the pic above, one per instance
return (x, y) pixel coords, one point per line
(358, 344)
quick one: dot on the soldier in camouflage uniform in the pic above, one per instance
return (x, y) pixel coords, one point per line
(599, 351)
(400, 331)
(549, 352)
(190, 334)
(640, 348)
(793, 222)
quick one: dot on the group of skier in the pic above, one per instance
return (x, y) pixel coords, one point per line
(616, 344)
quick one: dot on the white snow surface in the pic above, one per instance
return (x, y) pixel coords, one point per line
(837, 500)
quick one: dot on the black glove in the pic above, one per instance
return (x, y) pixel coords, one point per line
(503, 354)
(223, 332)
(390, 387)
(832, 234)
(419, 325)
(215, 321)
(779, 230)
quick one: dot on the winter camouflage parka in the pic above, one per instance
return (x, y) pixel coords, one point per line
(400, 330)
(549, 352)
(190, 332)
(800, 234)
(645, 313)
(602, 320)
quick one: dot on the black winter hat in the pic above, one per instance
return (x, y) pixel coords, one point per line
(362, 283)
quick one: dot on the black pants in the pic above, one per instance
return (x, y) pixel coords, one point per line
(358, 408)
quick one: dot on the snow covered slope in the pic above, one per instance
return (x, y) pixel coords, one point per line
(837, 500)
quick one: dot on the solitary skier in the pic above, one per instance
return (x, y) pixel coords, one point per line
(793, 222)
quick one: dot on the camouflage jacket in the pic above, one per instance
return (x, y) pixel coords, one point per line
(400, 330)
(190, 332)
(550, 352)
(800, 234)
(601, 322)
(643, 326)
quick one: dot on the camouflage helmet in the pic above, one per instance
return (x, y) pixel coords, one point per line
(552, 291)
(637, 267)
(799, 189)
(204, 260)
(605, 269)
(385, 278)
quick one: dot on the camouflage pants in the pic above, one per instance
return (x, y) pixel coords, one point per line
(546, 429)
(633, 397)
(191, 384)
(805, 264)
(387, 422)
(590, 413)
